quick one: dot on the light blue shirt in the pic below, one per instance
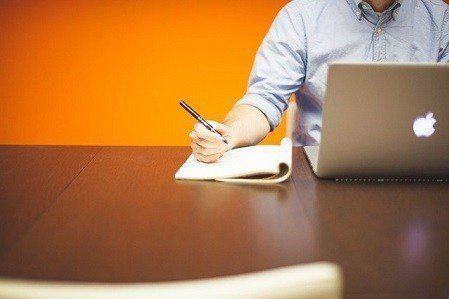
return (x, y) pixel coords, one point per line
(307, 35)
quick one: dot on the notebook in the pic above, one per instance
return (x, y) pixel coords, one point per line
(260, 164)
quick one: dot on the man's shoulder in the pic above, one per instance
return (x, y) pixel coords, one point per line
(438, 4)
(436, 8)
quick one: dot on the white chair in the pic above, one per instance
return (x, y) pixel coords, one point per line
(291, 114)
(319, 280)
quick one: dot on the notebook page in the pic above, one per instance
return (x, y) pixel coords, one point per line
(284, 165)
(253, 160)
(285, 152)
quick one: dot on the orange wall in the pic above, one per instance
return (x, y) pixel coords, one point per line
(112, 72)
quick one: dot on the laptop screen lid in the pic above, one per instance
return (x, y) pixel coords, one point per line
(377, 118)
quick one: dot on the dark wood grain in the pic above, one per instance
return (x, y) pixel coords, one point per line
(388, 237)
(31, 178)
(125, 219)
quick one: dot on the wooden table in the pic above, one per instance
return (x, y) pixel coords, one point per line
(115, 214)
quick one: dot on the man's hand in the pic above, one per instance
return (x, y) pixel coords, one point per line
(245, 126)
(208, 146)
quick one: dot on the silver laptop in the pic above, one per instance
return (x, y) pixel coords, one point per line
(384, 121)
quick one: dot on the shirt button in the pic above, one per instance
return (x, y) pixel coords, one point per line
(378, 31)
(358, 13)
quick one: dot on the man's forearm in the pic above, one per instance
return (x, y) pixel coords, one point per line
(247, 124)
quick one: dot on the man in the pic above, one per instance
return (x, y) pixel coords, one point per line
(305, 37)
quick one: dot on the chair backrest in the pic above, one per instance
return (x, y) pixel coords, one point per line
(292, 112)
(319, 280)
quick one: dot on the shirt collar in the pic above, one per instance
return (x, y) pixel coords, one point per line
(355, 6)
(357, 2)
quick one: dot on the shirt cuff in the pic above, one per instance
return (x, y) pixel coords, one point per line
(266, 107)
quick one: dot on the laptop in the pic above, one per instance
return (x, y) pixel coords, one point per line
(384, 121)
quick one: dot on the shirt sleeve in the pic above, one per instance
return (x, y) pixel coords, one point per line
(444, 41)
(279, 66)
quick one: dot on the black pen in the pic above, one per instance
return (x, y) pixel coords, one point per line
(200, 119)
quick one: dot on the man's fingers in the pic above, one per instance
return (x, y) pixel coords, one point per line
(205, 143)
(203, 133)
(208, 146)
(193, 137)
(220, 128)
(206, 151)
(207, 159)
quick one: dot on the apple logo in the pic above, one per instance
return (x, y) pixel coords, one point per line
(424, 126)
